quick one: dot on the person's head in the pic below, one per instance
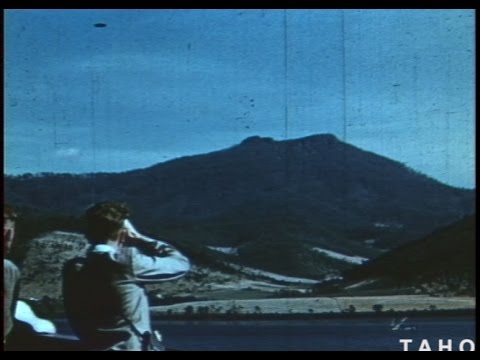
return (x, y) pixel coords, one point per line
(9, 218)
(105, 221)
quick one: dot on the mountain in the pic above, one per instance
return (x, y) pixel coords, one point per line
(272, 201)
(442, 263)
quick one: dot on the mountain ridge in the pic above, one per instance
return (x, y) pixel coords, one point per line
(284, 197)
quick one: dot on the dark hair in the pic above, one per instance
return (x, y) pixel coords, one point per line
(9, 212)
(104, 220)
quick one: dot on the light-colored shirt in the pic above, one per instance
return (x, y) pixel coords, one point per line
(104, 294)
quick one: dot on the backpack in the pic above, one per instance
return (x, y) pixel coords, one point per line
(78, 301)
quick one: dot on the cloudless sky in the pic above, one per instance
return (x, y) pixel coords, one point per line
(153, 85)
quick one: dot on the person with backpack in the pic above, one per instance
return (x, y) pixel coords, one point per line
(104, 295)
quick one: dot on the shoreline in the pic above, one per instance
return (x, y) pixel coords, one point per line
(436, 314)
(309, 308)
(315, 306)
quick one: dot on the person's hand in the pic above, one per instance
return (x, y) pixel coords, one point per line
(164, 250)
(131, 237)
(131, 231)
(132, 241)
(150, 246)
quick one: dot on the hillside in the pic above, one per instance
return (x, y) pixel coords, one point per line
(442, 263)
(271, 201)
(225, 288)
(209, 278)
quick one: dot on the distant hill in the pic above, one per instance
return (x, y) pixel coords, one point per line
(273, 201)
(442, 263)
(46, 254)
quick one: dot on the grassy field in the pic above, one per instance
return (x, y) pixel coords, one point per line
(319, 305)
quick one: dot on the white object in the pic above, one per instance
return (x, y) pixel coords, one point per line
(24, 312)
(132, 232)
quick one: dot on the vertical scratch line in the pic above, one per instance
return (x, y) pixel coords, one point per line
(285, 60)
(93, 83)
(285, 99)
(344, 78)
(346, 180)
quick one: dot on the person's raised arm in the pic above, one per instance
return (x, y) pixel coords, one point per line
(154, 260)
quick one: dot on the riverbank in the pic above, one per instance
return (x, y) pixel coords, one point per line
(443, 314)
(314, 307)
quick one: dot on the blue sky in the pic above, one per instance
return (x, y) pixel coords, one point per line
(160, 84)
